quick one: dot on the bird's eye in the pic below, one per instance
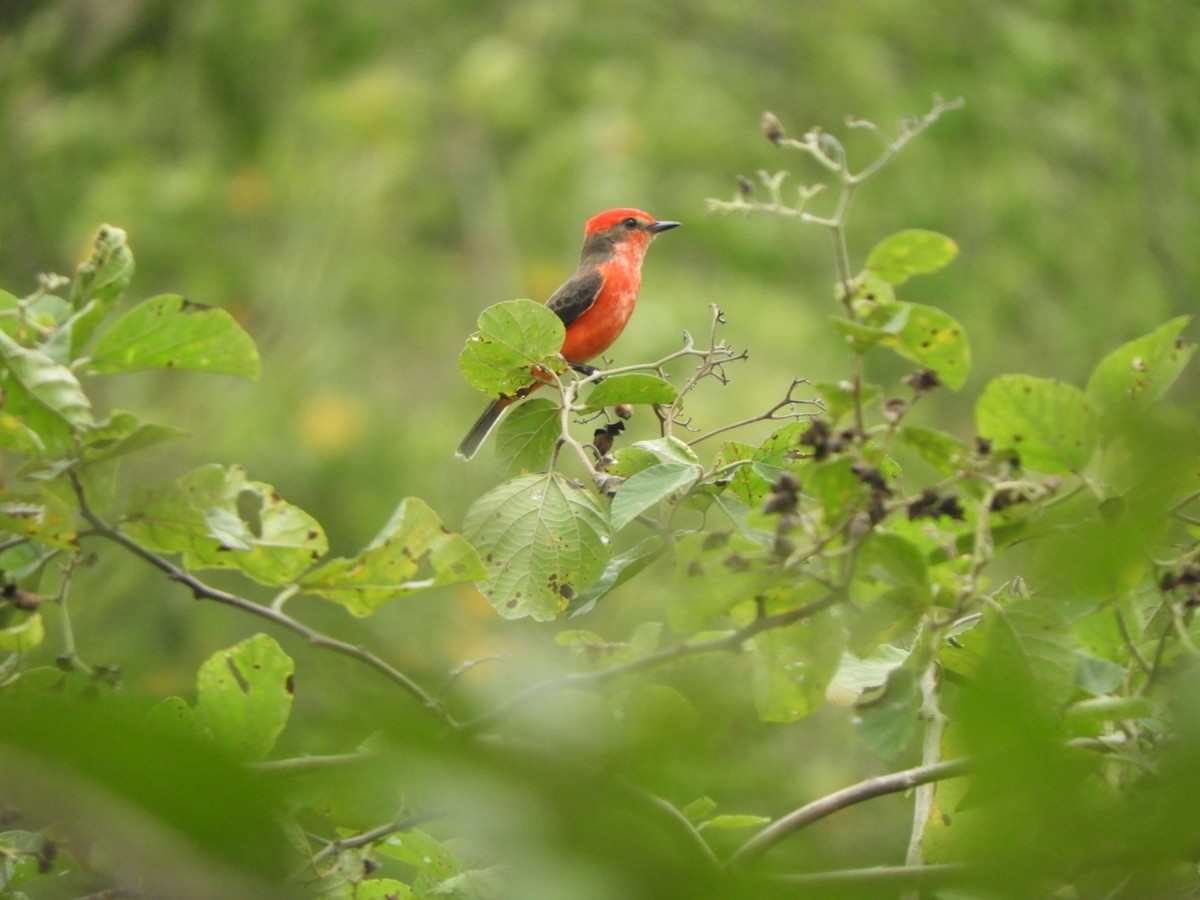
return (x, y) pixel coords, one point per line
(631, 222)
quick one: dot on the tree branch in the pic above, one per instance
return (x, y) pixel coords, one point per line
(202, 591)
(731, 642)
(831, 803)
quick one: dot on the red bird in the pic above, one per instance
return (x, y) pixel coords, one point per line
(594, 303)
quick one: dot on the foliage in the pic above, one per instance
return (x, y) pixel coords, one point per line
(1014, 605)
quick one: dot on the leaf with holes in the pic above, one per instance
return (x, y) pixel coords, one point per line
(244, 696)
(542, 540)
(513, 337)
(169, 332)
(413, 552)
(1050, 425)
(218, 518)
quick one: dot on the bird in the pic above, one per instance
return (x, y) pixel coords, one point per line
(594, 304)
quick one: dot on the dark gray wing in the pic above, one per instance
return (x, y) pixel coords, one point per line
(576, 296)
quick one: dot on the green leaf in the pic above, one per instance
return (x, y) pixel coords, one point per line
(513, 337)
(670, 449)
(1050, 425)
(698, 810)
(856, 674)
(244, 696)
(859, 337)
(729, 821)
(943, 451)
(41, 516)
(433, 860)
(1097, 676)
(1140, 371)
(1032, 635)
(619, 570)
(542, 540)
(794, 666)
(887, 723)
(121, 434)
(413, 552)
(913, 252)
(641, 491)
(217, 518)
(107, 769)
(526, 437)
(893, 560)
(17, 437)
(635, 387)
(382, 889)
(23, 633)
(836, 488)
(43, 384)
(169, 332)
(628, 461)
(99, 282)
(931, 338)
(107, 272)
(838, 397)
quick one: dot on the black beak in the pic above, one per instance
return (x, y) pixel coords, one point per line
(663, 226)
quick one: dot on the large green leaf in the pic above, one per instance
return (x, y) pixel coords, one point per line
(170, 332)
(526, 437)
(244, 696)
(513, 338)
(913, 252)
(542, 540)
(1050, 425)
(413, 552)
(217, 518)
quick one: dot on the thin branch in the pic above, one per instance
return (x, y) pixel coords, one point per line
(889, 878)
(405, 823)
(850, 796)
(203, 591)
(931, 754)
(675, 816)
(731, 642)
(767, 416)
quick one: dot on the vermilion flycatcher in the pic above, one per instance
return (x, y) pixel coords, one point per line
(594, 303)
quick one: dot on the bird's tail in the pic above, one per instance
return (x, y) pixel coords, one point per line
(483, 426)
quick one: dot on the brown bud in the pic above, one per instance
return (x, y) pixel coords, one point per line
(745, 187)
(772, 128)
(922, 381)
(894, 409)
(624, 410)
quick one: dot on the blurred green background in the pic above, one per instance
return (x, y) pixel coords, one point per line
(356, 181)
